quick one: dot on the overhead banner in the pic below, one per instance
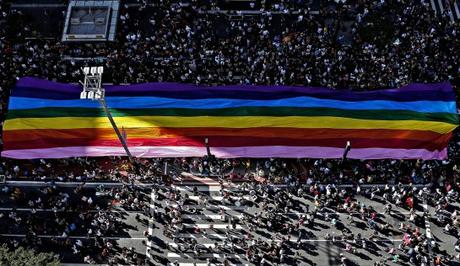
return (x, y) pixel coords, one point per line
(49, 120)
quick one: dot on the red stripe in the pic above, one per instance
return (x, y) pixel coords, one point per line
(219, 141)
(290, 133)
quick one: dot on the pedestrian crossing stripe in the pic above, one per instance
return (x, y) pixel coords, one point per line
(200, 188)
(215, 226)
(214, 207)
(150, 226)
(209, 239)
(213, 255)
(205, 264)
(207, 216)
(220, 198)
(451, 8)
(208, 236)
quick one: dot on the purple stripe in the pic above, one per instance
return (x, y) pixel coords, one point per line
(47, 85)
(37, 88)
(229, 152)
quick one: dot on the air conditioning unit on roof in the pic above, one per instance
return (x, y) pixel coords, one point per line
(100, 21)
(75, 21)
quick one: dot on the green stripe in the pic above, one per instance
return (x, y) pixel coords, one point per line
(242, 111)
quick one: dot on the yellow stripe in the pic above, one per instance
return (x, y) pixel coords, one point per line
(226, 122)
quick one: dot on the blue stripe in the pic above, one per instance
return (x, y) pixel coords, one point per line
(18, 103)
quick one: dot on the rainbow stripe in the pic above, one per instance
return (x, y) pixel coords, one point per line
(48, 120)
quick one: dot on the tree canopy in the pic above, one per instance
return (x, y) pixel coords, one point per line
(22, 256)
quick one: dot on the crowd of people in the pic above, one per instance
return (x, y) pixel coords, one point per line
(92, 213)
(268, 171)
(356, 45)
(75, 222)
(291, 223)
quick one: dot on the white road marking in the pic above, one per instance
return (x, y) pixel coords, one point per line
(205, 264)
(433, 5)
(75, 237)
(214, 188)
(173, 255)
(427, 222)
(213, 235)
(215, 226)
(345, 213)
(441, 7)
(210, 216)
(175, 205)
(176, 246)
(214, 255)
(150, 229)
(292, 239)
(219, 198)
(67, 210)
(457, 11)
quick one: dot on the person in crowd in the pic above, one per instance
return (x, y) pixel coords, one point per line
(348, 46)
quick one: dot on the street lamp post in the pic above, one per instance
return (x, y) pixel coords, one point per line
(208, 150)
(347, 149)
(92, 90)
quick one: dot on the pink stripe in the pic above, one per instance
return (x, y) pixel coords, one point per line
(229, 152)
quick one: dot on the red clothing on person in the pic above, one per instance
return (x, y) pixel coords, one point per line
(410, 202)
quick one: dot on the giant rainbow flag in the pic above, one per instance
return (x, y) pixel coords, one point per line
(48, 120)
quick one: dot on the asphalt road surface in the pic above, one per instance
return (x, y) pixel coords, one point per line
(215, 228)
